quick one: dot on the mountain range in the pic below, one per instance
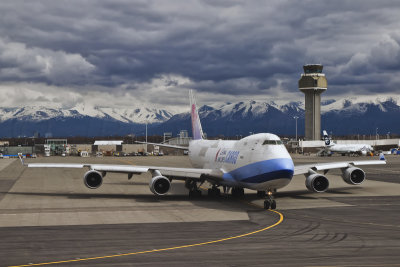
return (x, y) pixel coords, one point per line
(340, 117)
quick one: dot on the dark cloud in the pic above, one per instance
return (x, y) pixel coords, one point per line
(239, 48)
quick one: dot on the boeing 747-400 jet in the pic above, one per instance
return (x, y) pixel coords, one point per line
(259, 162)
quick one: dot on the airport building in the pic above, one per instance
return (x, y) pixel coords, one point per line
(57, 146)
(182, 139)
(313, 83)
(107, 145)
(115, 147)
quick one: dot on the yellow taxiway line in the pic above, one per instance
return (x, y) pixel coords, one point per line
(162, 249)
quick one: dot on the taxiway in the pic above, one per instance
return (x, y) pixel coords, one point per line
(49, 216)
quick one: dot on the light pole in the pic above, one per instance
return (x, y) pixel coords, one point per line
(376, 133)
(146, 136)
(295, 117)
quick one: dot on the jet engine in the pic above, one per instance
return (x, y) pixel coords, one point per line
(159, 185)
(353, 175)
(93, 179)
(317, 183)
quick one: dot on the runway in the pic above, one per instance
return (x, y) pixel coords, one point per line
(48, 215)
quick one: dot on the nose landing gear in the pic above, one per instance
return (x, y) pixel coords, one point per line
(270, 202)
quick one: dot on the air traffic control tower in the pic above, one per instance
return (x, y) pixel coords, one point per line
(313, 83)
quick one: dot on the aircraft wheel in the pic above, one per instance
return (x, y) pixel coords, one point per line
(210, 192)
(198, 193)
(217, 192)
(273, 205)
(234, 192)
(241, 192)
(191, 193)
(266, 204)
(237, 192)
(214, 192)
(194, 193)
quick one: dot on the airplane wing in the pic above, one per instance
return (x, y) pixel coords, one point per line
(169, 172)
(307, 168)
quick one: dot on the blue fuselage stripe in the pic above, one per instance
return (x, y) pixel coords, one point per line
(264, 171)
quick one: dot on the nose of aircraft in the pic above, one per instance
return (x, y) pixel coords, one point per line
(284, 168)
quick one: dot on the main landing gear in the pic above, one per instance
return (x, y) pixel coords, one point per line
(237, 192)
(214, 191)
(194, 190)
(270, 202)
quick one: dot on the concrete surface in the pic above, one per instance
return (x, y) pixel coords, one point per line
(48, 215)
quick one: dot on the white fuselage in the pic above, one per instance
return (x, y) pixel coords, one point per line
(259, 162)
(350, 148)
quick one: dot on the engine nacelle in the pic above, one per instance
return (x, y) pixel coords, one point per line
(159, 185)
(93, 179)
(353, 175)
(317, 183)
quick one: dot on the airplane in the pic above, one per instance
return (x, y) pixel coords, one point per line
(350, 149)
(259, 162)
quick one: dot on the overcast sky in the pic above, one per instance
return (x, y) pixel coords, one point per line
(132, 53)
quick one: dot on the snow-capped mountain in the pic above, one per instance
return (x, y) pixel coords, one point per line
(358, 104)
(250, 108)
(126, 115)
(340, 116)
(81, 120)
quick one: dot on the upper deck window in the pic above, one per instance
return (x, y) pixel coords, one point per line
(272, 142)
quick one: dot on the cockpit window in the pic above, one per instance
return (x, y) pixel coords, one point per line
(272, 142)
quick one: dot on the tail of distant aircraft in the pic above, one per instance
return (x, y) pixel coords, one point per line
(196, 125)
(326, 138)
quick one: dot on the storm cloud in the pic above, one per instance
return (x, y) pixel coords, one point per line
(70, 52)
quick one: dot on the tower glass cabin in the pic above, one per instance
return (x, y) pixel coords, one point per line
(313, 83)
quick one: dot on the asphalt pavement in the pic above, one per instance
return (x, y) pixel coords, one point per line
(49, 216)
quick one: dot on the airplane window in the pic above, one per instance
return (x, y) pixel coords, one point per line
(269, 142)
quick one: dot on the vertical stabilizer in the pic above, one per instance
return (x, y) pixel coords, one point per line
(196, 125)
(326, 138)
